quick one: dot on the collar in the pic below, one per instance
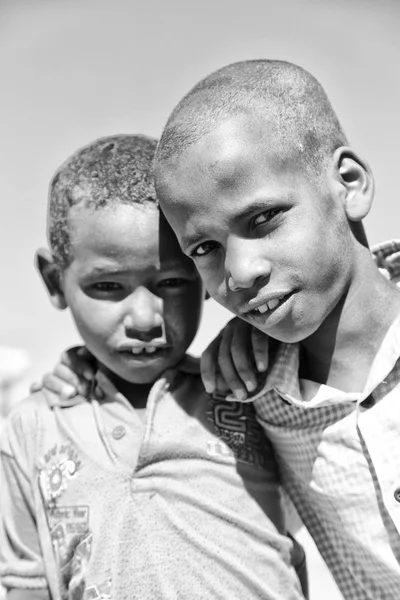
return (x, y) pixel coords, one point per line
(105, 391)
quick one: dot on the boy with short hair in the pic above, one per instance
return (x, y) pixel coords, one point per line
(148, 489)
(256, 177)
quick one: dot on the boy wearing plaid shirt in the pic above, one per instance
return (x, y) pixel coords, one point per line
(256, 177)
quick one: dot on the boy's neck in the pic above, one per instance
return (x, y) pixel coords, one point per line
(136, 393)
(340, 353)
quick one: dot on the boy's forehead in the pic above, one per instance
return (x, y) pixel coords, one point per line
(222, 157)
(126, 233)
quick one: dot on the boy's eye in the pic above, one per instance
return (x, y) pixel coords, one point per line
(107, 286)
(204, 249)
(172, 282)
(266, 216)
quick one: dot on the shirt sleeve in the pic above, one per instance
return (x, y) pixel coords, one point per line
(21, 561)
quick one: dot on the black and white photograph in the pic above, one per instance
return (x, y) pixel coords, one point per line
(200, 307)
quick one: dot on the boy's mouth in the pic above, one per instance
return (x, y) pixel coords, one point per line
(265, 306)
(144, 351)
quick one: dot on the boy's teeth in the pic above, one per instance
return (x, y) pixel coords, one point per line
(273, 303)
(269, 305)
(144, 349)
(150, 349)
(263, 308)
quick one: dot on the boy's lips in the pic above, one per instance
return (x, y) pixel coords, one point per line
(268, 316)
(264, 303)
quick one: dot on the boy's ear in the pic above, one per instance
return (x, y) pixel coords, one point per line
(50, 274)
(356, 177)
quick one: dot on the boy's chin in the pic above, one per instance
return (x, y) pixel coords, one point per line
(292, 335)
(143, 376)
(146, 373)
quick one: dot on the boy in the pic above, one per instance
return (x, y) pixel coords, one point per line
(255, 175)
(147, 489)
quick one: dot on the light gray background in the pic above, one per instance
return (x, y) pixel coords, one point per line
(75, 70)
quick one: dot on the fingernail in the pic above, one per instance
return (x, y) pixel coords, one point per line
(240, 395)
(261, 365)
(231, 398)
(209, 387)
(68, 391)
(250, 385)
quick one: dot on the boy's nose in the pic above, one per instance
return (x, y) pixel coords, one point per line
(244, 265)
(143, 319)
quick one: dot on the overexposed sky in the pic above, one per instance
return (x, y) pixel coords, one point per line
(74, 70)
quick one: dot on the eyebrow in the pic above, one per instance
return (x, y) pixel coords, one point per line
(97, 271)
(192, 240)
(258, 205)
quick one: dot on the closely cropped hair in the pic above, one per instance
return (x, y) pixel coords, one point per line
(112, 170)
(293, 102)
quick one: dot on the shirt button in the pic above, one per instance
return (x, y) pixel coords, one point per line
(397, 495)
(118, 432)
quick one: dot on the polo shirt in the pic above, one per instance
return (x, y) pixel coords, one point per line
(97, 503)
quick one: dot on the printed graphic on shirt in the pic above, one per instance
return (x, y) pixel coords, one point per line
(68, 526)
(58, 466)
(239, 429)
(100, 591)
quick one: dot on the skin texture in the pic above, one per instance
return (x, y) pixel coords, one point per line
(259, 228)
(253, 224)
(127, 284)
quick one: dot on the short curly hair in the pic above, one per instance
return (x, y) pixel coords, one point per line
(111, 170)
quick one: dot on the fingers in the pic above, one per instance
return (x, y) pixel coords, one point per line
(65, 382)
(208, 366)
(241, 351)
(79, 360)
(226, 363)
(260, 344)
(54, 399)
(232, 360)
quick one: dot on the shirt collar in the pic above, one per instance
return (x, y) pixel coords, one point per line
(104, 390)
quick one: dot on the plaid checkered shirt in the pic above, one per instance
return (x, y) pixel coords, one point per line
(339, 457)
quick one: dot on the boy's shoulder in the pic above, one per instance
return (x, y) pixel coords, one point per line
(23, 424)
(28, 410)
(27, 423)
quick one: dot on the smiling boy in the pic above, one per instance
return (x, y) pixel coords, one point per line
(256, 177)
(147, 489)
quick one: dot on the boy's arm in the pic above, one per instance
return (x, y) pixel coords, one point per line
(21, 562)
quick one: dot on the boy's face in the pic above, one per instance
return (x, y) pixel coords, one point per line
(270, 245)
(135, 298)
